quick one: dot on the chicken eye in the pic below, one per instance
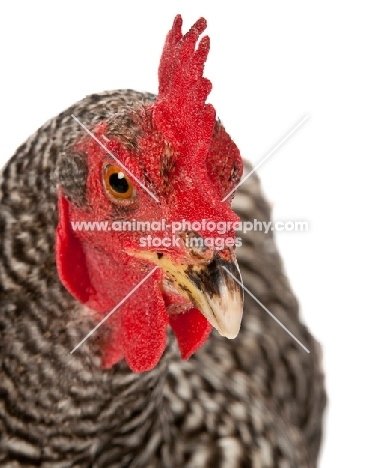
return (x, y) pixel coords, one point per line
(117, 183)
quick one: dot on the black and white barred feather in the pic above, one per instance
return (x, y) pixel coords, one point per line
(256, 401)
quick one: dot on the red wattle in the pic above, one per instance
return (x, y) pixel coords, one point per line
(191, 330)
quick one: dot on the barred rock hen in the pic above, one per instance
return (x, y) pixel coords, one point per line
(137, 392)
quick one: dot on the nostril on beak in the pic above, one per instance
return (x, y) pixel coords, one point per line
(195, 246)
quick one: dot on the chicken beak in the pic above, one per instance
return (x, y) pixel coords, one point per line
(212, 290)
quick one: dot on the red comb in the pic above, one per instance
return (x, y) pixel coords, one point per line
(180, 111)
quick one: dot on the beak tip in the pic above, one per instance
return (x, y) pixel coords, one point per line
(229, 335)
(225, 311)
(230, 327)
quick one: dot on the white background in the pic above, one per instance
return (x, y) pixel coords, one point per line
(271, 64)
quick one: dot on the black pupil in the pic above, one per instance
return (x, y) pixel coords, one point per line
(117, 184)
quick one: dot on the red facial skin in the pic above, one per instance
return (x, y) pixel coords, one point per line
(99, 268)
